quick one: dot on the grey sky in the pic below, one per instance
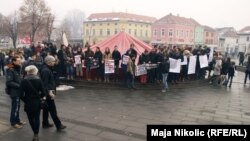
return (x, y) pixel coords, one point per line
(214, 13)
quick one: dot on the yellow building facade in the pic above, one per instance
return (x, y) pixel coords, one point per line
(101, 26)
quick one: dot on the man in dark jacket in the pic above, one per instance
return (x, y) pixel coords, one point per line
(241, 58)
(132, 51)
(152, 60)
(13, 81)
(164, 69)
(116, 55)
(49, 83)
(247, 72)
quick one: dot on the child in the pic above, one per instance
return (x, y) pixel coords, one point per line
(164, 69)
(231, 71)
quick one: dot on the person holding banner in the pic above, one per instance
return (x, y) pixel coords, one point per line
(106, 56)
(143, 59)
(98, 56)
(80, 55)
(116, 55)
(131, 73)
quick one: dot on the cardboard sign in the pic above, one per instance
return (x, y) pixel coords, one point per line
(109, 66)
(185, 62)
(125, 59)
(175, 65)
(203, 61)
(140, 70)
(192, 64)
(77, 59)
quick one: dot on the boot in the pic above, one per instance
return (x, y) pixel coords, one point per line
(35, 138)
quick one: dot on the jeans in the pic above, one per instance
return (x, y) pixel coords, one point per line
(70, 70)
(247, 74)
(52, 110)
(130, 80)
(230, 78)
(15, 107)
(34, 120)
(164, 81)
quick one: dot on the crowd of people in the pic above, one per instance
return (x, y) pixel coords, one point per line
(32, 74)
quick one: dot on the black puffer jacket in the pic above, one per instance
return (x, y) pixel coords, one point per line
(47, 78)
(13, 80)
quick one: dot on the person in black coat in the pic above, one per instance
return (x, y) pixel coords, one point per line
(2, 62)
(99, 71)
(49, 83)
(32, 91)
(132, 51)
(247, 72)
(62, 60)
(13, 81)
(164, 69)
(231, 72)
(116, 55)
(152, 60)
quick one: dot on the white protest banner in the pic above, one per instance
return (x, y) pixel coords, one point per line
(109, 66)
(65, 40)
(140, 70)
(185, 62)
(77, 59)
(211, 54)
(192, 64)
(175, 65)
(125, 59)
(203, 61)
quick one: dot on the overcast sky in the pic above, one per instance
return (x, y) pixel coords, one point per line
(214, 13)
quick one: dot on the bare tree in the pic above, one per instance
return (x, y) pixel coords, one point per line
(49, 25)
(10, 27)
(32, 14)
(74, 20)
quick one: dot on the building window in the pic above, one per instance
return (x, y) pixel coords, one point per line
(182, 33)
(115, 23)
(107, 24)
(93, 32)
(247, 38)
(129, 31)
(141, 33)
(146, 33)
(170, 32)
(141, 25)
(108, 32)
(146, 25)
(93, 24)
(237, 41)
(116, 31)
(177, 33)
(87, 24)
(162, 32)
(100, 32)
(212, 34)
(207, 34)
(100, 24)
(135, 32)
(87, 32)
(187, 33)
(129, 24)
(155, 32)
(135, 25)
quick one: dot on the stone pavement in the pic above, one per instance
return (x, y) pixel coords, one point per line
(103, 114)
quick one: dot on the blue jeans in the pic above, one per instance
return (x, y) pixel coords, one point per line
(70, 70)
(15, 107)
(165, 81)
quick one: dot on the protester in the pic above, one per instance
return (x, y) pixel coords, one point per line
(69, 63)
(241, 58)
(143, 59)
(2, 62)
(231, 72)
(62, 60)
(89, 54)
(131, 72)
(32, 91)
(107, 56)
(116, 55)
(99, 71)
(13, 81)
(79, 72)
(164, 69)
(49, 83)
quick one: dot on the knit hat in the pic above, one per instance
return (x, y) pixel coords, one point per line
(31, 70)
(49, 59)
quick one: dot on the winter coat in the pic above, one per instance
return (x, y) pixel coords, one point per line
(116, 55)
(13, 80)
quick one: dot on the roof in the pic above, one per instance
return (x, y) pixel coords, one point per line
(171, 19)
(121, 15)
(245, 30)
(123, 41)
(210, 29)
(230, 34)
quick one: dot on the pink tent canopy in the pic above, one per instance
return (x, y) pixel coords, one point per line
(123, 41)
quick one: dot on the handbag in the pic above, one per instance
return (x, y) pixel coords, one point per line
(43, 102)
